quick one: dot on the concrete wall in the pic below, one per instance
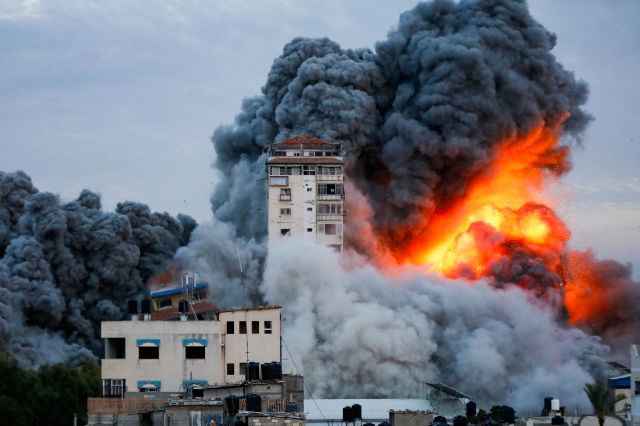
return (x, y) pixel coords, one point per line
(192, 415)
(294, 385)
(620, 406)
(409, 418)
(263, 347)
(172, 368)
(273, 421)
(113, 420)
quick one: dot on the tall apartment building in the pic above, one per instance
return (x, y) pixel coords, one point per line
(306, 191)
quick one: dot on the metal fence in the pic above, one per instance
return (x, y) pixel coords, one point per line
(268, 405)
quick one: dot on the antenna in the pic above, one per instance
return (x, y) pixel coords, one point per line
(244, 306)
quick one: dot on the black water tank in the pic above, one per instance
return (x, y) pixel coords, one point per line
(507, 414)
(146, 306)
(483, 417)
(347, 414)
(368, 424)
(233, 404)
(471, 409)
(254, 403)
(183, 307)
(459, 421)
(292, 407)
(439, 419)
(253, 371)
(267, 371)
(547, 403)
(277, 370)
(385, 424)
(557, 420)
(133, 307)
(357, 411)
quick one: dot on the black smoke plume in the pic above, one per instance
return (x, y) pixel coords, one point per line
(67, 266)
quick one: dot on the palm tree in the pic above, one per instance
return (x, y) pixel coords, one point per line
(602, 399)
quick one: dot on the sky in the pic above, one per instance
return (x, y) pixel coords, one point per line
(122, 97)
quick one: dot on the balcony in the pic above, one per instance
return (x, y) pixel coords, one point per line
(325, 197)
(285, 197)
(279, 181)
(330, 216)
(336, 178)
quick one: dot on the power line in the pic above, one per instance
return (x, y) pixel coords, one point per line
(304, 384)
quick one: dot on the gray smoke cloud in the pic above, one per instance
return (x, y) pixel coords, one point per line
(67, 266)
(420, 117)
(355, 332)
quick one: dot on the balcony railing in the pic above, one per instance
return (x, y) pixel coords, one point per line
(337, 178)
(330, 197)
(285, 197)
(268, 405)
(330, 216)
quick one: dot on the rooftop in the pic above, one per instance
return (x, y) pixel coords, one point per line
(304, 141)
(372, 409)
(299, 160)
(172, 313)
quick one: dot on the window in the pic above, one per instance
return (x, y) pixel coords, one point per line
(309, 229)
(148, 352)
(285, 211)
(149, 389)
(309, 189)
(279, 181)
(255, 327)
(164, 303)
(230, 369)
(285, 232)
(296, 154)
(330, 189)
(318, 153)
(194, 352)
(637, 387)
(197, 393)
(335, 209)
(329, 229)
(267, 327)
(243, 368)
(308, 170)
(113, 388)
(114, 348)
(280, 154)
(309, 209)
(329, 170)
(285, 191)
(201, 295)
(230, 327)
(243, 327)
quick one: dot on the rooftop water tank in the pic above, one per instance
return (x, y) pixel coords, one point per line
(385, 424)
(252, 371)
(439, 419)
(267, 371)
(133, 307)
(357, 411)
(459, 421)
(471, 409)
(547, 403)
(233, 404)
(347, 414)
(507, 414)
(292, 407)
(277, 370)
(254, 403)
(555, 404)
(183, 306)
(146, 306)
(557, 420)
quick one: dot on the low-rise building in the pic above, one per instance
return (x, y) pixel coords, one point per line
(162, 358)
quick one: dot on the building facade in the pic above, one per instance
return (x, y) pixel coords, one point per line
(306, 191)
(166, 356)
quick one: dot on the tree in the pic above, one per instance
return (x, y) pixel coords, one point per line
(601, 399)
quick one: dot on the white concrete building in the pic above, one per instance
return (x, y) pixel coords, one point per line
(163, 356)
(306, 191)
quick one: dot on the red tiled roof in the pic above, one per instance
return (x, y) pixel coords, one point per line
(298, 160)
(173, 312)
(305, 141)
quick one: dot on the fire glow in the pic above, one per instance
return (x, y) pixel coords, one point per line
(503, 209)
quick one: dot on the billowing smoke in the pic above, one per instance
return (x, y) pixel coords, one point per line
(421, 117)
(359, 333)
(67, 266)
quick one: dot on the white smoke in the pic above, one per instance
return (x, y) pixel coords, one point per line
(356, 332)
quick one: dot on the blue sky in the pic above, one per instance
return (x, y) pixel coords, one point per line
(121, 97)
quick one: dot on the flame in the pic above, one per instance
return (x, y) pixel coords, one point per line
(503, 208)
